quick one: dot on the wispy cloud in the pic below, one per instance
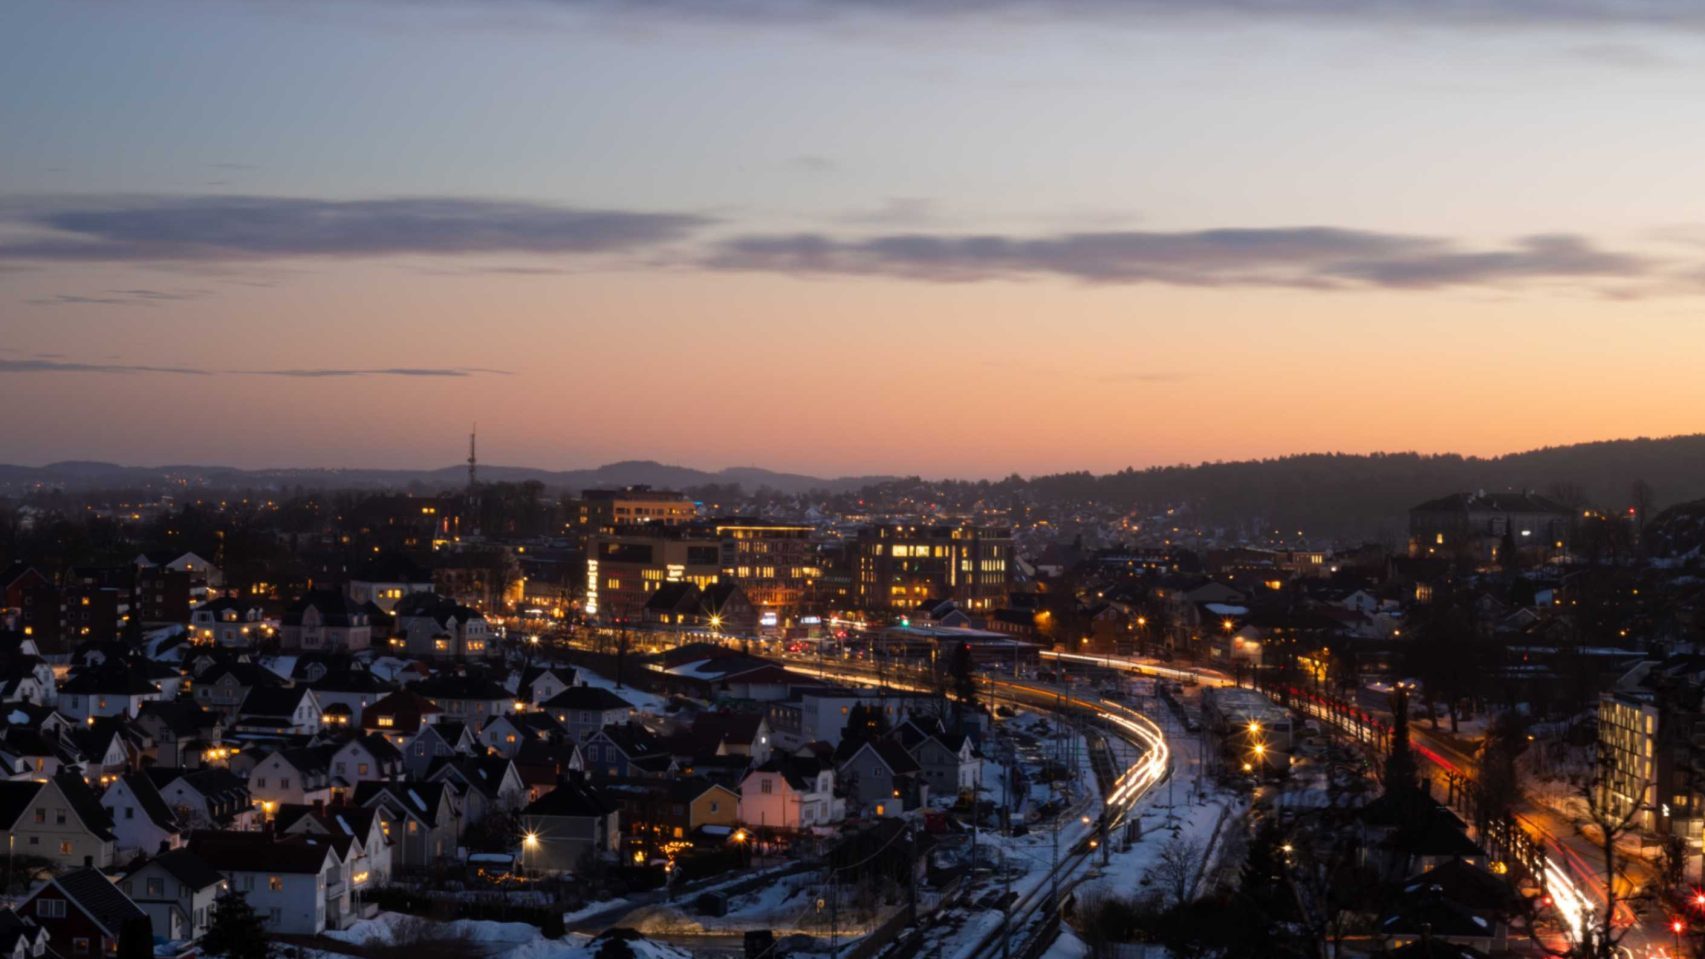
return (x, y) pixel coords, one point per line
(42, 363)
(119, 298)
(812, 163)
(1422, 13)
(63, 366)
(385, 371)
(1306, 257)
(214, 228)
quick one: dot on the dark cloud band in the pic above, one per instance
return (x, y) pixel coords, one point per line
(42, 365)
(254, 227)
(1309, 257)
(1432, 13)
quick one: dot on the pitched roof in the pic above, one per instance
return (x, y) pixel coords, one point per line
(109, 680)
(335, 608)
(273, 701)
(99, 899)
(261, 852)
(587, 698)
(573, 797)
(153, 804)
(186, 867)
(419, 799)
(484, 773)
(451, 686)
(85, 804)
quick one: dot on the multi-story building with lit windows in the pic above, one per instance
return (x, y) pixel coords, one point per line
(898, 566)
(623, 568)
(775, 563)
(1649, 752)
(1627, 753)
(606, 510)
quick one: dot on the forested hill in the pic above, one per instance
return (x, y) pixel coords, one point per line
(1355, 496)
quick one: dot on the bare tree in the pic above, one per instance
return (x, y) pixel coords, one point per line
(1600, 938)
(1175, 869)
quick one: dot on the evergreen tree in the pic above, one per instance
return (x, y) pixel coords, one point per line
(865, 724)
(1401, 775)
(136, 939)
(236, 931)
(964, 680)
(1263, 867)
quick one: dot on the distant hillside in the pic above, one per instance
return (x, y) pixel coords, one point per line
(89, 475)
(1328, 496)
(1678, 532)
(1351, 496)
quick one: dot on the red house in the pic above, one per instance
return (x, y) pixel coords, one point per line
(83, 913)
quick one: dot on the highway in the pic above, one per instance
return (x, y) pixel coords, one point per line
(1574, 865)
(1027, 917)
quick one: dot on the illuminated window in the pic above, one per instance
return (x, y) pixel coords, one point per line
(275, 883)
(385, 721)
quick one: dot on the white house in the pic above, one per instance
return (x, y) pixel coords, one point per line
(287, 882)
(369, 859)
(369, 758)
(142, 821)
(790, 793)
(97, 692)
(299, 776)
(177, 890)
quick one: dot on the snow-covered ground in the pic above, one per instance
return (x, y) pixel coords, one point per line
(388, 928)
(492, 940)
(788, 906)
(639, 699)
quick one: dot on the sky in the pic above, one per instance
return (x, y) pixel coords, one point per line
(864, 236)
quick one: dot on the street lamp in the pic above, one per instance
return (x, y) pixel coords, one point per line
(529, 840)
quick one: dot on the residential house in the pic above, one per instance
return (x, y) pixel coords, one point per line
(108, 690)
(353, 689)
(484, 784)
(21, 938)
(542, 765)
(232, 622)
(83, 912)
(790, 793)
(223, 687)
(423, 820)
(505, 734)
(177, 890)
(182, 732)
(369, 859)
(289, 881)
(583, 710)
(949, 762)
(369, 758)
(882, 779)
(469, 697)
(59, 819)
(437, 627)
(205, 798)
(536, 684)
(324, 619)
(568, 825)
(400, 715)
(387, 579)
(299, 775)
(627, 749)
(143, 823)
(279, 711)
(434, 741)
